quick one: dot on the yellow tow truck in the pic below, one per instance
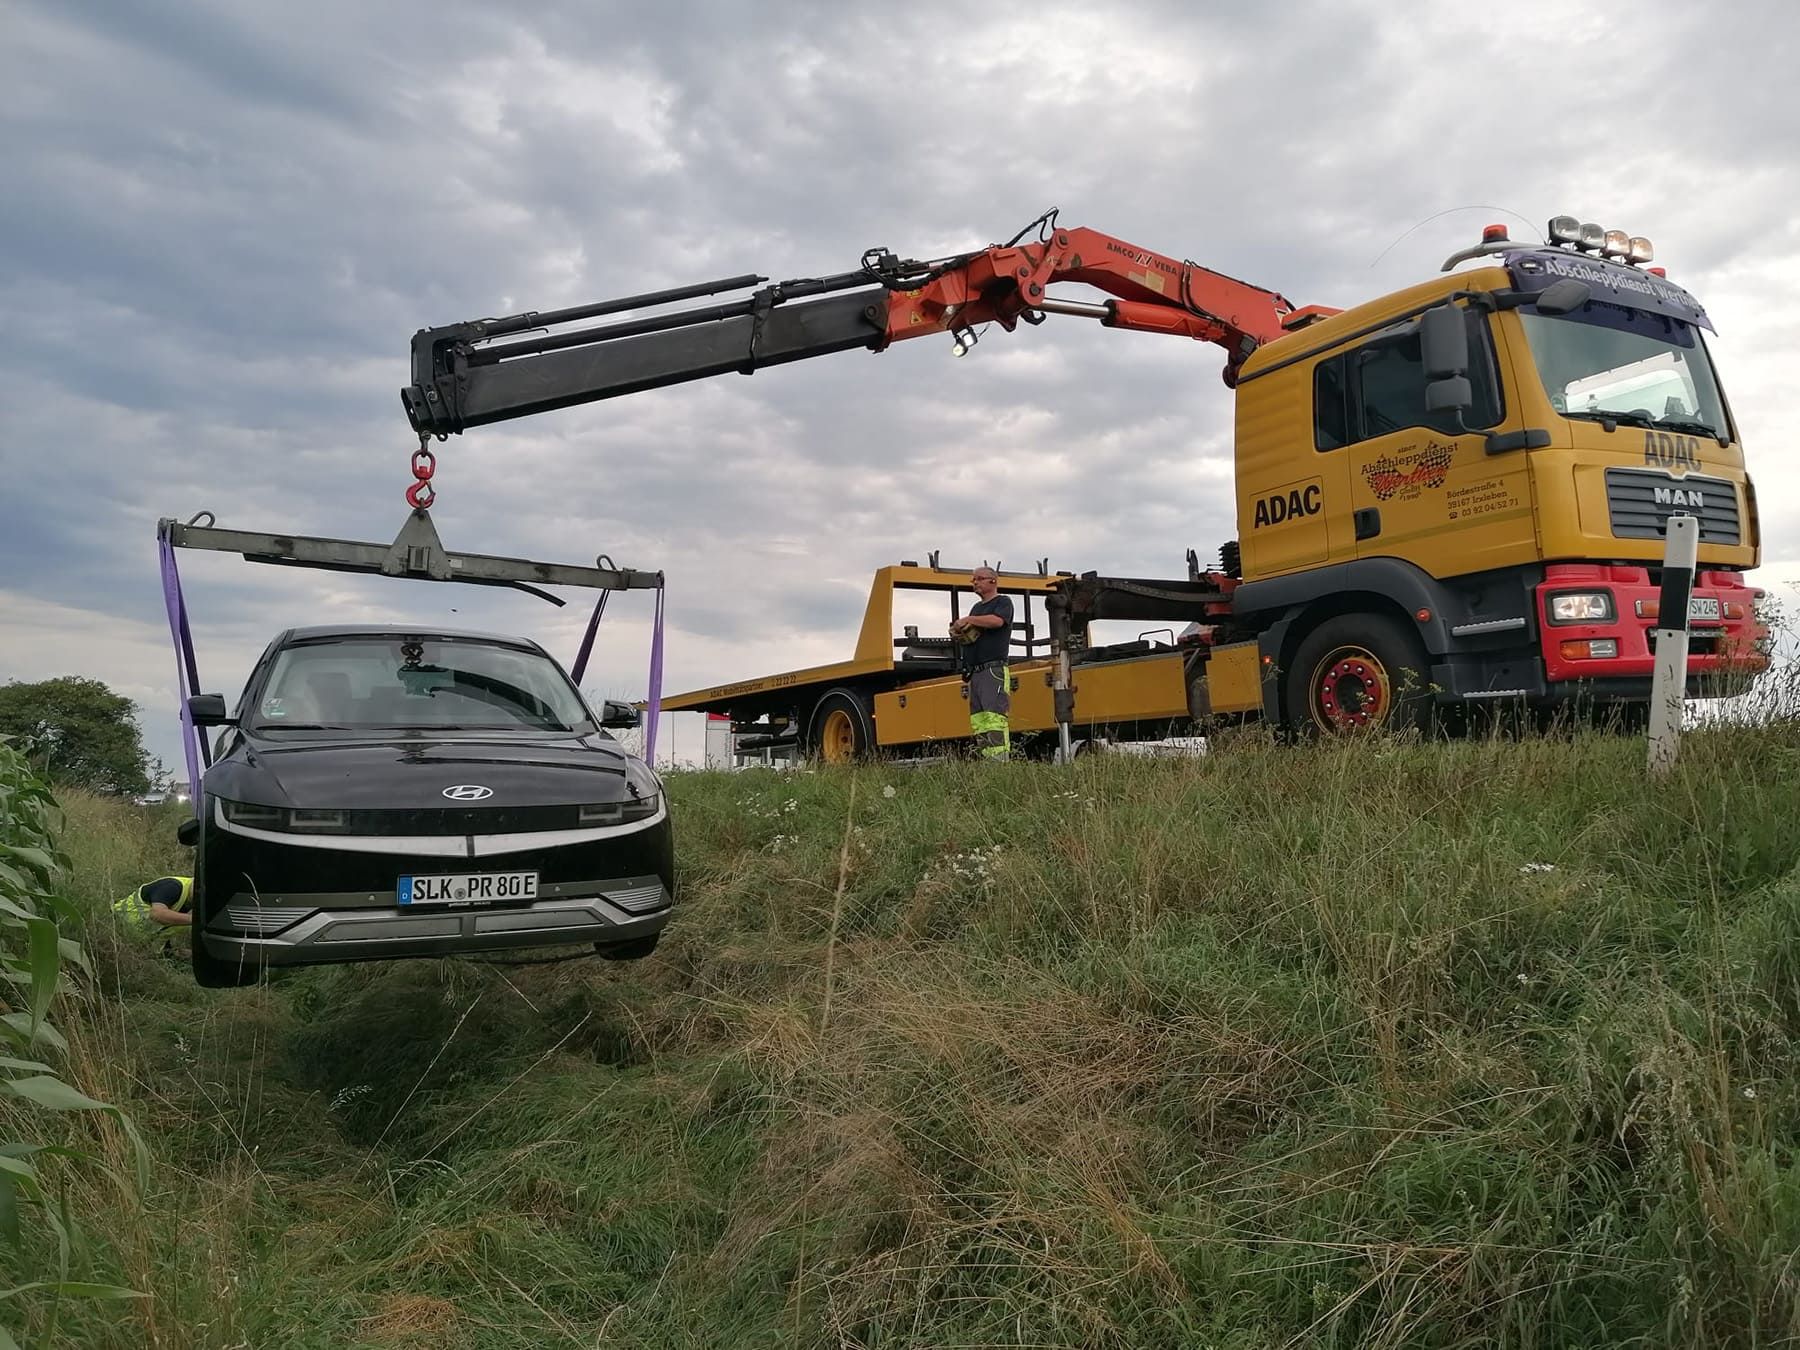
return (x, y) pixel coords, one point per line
(1452, 496)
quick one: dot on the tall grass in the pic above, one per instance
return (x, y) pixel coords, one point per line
(43, 1159)
(1383, 1044)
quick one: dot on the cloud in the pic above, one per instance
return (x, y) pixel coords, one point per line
(224, 225)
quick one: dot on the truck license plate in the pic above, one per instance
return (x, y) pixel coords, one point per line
(1703, 607)
(468, 886)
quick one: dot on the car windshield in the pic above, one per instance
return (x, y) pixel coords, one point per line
(1628, 365)
(406, 682)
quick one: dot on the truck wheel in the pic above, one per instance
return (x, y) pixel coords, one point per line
(1359, 671)
(842, 727)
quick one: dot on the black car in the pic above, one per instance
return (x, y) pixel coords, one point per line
(392, 792)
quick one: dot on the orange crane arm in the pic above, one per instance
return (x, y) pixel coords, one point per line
(466, 374)
(1155, 294)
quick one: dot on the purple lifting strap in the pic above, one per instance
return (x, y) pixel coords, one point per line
(187, 677)
(587, 640)
(656, 655)
(656, 639)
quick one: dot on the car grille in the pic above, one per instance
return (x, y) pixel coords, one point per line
(1641, 501)
(263, 920)
(460, 820)
(640, 898)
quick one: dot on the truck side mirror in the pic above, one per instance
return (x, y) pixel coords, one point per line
(1444, 352)
(187, 834)
(1451, 394)
(1443, 342)
(614, 714)
(1562, 297)
(208, 710)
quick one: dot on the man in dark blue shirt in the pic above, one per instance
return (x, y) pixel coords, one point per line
(984, 664)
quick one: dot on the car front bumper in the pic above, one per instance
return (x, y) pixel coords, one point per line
(312, 929)
(268, 900)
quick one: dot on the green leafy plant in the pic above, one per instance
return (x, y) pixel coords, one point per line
(33, 956)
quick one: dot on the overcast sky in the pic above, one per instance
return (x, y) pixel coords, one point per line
(222, 223)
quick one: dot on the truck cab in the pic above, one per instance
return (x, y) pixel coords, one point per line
(1509, 513)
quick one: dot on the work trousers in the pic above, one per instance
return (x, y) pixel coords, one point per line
(990, 700)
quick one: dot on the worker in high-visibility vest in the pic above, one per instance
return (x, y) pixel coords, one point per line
(157, 908)
(985, 636)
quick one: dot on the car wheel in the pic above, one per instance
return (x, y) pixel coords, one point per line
(1358, 672)
(634, 950)
(212, 973)
(209, 971)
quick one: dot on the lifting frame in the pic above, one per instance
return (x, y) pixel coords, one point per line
(416, 552)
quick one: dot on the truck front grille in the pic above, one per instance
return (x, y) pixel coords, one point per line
(1641, 501)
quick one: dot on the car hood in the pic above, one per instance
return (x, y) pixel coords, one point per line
(413, 772)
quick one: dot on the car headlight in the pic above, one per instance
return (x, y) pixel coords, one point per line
(619, 813)
(254, 815)
(317, 822)
(299, 820)
(1581, 607)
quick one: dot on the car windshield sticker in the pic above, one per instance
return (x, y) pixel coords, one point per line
(273, 707)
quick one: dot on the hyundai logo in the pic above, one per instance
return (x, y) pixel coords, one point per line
(468, 792)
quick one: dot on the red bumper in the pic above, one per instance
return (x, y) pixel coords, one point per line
(1727, 644)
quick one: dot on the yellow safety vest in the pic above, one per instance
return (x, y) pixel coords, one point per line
(135, 910)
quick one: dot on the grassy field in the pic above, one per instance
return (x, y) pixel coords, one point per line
(1377, 1045)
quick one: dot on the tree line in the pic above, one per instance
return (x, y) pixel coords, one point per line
(76, 732)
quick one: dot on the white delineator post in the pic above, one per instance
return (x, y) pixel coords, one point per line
(1668, 680)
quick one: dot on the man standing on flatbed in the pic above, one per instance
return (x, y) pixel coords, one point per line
(986, 634)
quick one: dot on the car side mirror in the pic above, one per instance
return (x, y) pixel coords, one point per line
(187, 834)
(208, 710)
(615, 714)
(1562, 297)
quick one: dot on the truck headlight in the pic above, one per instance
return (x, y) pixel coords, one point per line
(1581, 607)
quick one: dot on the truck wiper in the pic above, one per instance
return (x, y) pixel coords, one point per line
(1693, 427)
(1611, 420)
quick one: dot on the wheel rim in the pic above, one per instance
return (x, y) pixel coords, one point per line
(837, 737)
(1351, 688)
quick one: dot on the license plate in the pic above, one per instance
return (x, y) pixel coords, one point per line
(1703, 607)
(468, 887)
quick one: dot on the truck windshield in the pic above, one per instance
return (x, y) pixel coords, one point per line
(404, 682)
(1627, 365)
